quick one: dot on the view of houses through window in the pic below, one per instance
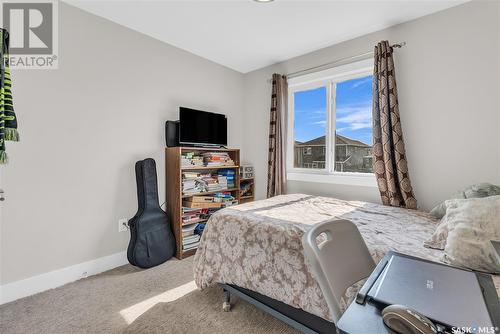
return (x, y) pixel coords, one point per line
(350, 122)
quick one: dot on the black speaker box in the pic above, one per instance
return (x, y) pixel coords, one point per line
(172, 133)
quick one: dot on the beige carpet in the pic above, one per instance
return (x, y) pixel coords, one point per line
(130, 300)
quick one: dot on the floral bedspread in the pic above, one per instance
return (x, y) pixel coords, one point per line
(258, 246)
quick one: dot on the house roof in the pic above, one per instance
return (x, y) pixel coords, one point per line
(348, 141)
(339, 140)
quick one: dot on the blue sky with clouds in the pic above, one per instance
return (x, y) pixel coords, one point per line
(354, 111)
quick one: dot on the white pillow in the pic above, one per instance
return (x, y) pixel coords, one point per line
(438, 239)
(478, 190)
(472, 223)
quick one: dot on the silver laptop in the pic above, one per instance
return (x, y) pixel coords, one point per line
(444, 294)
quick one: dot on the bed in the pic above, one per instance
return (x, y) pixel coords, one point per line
(257, 247)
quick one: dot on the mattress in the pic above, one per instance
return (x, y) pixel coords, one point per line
(258, 245)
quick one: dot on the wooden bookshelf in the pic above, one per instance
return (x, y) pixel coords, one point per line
(174, 195)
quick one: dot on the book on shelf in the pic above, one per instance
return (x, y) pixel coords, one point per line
(229, 175)
(222, 180)
(191, 246)
(190, 215)
(193, 211)
(191, 159)
(223, 197)
(190, 239)
(229, 203)
(187, 233)
(193, 221)
(201, 205)
(218, 197)
(193, 183)
(190, 242)
(190, 212)
(217, 159)
(188, 230)
(201, 199)
(195, 216)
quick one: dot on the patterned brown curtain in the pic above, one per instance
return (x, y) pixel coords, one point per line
(276, 175)
(389, 157)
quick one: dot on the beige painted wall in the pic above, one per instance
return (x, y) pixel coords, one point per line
(448, 86)
(83, 126)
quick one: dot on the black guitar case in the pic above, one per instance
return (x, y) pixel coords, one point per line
(151, 238)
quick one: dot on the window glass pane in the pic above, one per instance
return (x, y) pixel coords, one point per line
(353, 138)
(310, 115)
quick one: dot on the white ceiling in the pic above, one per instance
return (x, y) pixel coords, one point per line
(246, 35)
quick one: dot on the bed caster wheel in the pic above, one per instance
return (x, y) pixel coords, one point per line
(226, 305)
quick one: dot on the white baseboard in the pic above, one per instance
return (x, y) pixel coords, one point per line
(53, 279)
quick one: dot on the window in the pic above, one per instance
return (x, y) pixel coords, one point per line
(309, 127)
(330, 118)
(353, 125)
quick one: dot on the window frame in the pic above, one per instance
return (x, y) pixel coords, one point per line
(326, 78)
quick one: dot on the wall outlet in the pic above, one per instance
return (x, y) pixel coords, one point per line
(123, 225)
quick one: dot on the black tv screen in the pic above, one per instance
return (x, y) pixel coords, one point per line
(197, 127)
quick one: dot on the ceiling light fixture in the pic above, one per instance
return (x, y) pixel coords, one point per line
(263, 0)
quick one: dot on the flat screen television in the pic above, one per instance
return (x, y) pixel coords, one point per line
(202, 128)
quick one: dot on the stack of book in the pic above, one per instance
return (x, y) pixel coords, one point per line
(191, 159)
(229, 174)
(188, 230)
(211, 183)
(191, 183)
(217, 159)
(225, 199)
(229, 203)
(193, 215)
(190, 242)
(222, 180)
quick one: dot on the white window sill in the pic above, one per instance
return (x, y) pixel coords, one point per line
(351, 179)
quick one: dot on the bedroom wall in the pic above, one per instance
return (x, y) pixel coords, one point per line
(83, 126)
(448, 87)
